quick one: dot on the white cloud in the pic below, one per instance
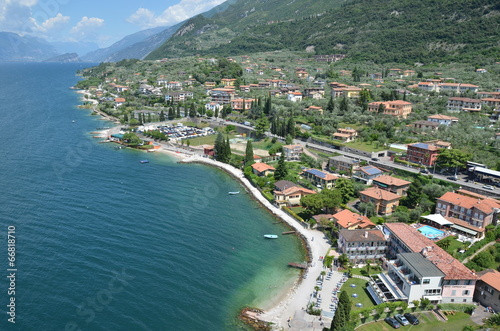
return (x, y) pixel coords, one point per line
(87, 28)
(53, 23)
(15, 15)
(185, 9)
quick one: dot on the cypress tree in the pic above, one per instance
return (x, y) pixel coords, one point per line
(281, 170)
(149, 117)
(290, 127)
(249, 160)
(178, 113)
(330, 106)
(162, 116)
(220, 147)
(227, 151)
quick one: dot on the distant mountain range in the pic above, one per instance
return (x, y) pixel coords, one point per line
(14, 48)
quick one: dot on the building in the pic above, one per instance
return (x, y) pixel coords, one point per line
(242, 104)
(262, 169)
(392, 184)
(362, 245)
(367, 173)
(320, 178)
(457, 284)
(385, 202)
(345, 135)
(487, 291)
(347, 91)
(398, 108)
(342, 163)
(287, 194)
(292, 152)
(422, 153)
(425, 125)
(475, 211)
(179, 96)
(295, 96)
(346, 219)
(222, 95)
(458, 104)
(442, 119)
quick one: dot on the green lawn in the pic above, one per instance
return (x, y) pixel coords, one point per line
(428, 322)
(372, 147)
(360, 289)
(454, 245)
(207, 140)
(362, 271)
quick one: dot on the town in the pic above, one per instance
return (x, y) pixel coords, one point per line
(399, 168)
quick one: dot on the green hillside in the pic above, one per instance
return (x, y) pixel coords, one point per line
(373, 30)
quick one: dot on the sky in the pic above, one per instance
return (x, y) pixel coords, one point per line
(101, 21)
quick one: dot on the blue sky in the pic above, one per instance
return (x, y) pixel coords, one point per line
(101, 21)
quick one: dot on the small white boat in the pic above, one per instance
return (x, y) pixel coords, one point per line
(271, 236)
(233, 193)
(144, 161)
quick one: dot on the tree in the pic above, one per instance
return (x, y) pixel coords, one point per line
(162, 116)
(342, 315)
(368, 265)
(220, 149)
(290, 127)
(314, 203)
(330, 107)
(414, 194)
(248, 160)
(381, 108)
(261, 126)
(343, 260)
(453, 158)
(132, 138)
(333, 199)
(346, 189)
(281, 169)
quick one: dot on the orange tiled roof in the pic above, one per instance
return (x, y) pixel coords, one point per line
(347, 218)
(492, 278)
(295, 189)
(389, 180)
(261, 167)
(443, 117)
(380, 194)
(487, 205)
(451, 267)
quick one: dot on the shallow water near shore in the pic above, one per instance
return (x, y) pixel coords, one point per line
(104, 242)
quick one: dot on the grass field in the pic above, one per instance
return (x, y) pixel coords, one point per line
(372, 147)
(428, 322)
(360, 289)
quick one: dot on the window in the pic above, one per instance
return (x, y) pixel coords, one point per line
(452, 300)
(453, 293)
(465, 300)
(426, 281)
(466, 292)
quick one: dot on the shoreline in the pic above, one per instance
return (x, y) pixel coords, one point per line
(291, 302)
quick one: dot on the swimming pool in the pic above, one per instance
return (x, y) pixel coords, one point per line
(430, 232)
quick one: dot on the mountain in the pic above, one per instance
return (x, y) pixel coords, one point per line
(102, 54)
(79, 47)
(140, 49)
(65, 58)
(16, 48)
(371, 30)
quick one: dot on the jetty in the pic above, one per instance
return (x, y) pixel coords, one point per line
(298, 265)
(288, 232)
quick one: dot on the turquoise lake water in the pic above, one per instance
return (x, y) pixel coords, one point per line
(104, 242)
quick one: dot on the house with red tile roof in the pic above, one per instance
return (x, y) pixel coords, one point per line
(385, 202)
(262, 169)
(398, 108)
(459, 104)
(421, 153)
(392, 184)
(291, 196)
(241, 103)
(362, 244)
(293, 152)
(346, 219)
(442, 119)
(457, 283)
(487, 291)
(366, 174)
(345, 135)
(475, 211)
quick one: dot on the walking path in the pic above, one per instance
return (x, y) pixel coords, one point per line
(467, 259)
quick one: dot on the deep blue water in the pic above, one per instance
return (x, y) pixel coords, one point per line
(104, 242)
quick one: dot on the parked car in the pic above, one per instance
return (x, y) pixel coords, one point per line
(392, 322)
(488, 187)
(452, 177)
(412, 319)
(401, 319)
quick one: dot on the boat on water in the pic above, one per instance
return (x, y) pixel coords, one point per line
(271, 236)
(144, 161)
(233, 193)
